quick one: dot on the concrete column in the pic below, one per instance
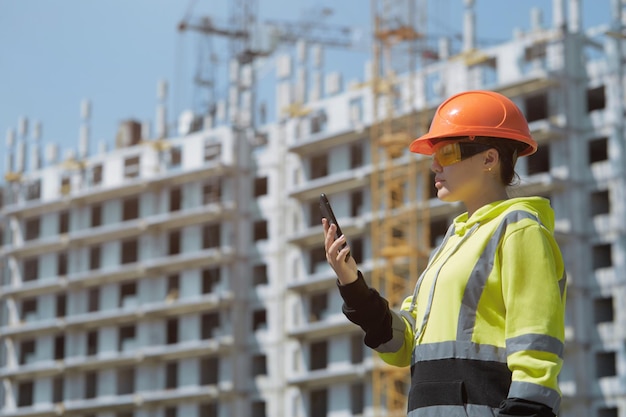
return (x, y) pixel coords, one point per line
(575, 16)
(469, 26)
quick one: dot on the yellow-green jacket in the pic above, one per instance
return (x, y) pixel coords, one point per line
(486, 321)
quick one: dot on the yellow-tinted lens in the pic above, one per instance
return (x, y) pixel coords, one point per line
(448, 154)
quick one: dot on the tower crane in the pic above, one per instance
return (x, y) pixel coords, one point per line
(244, 34)
(399, 190)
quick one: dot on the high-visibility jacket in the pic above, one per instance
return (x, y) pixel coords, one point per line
(486, 321)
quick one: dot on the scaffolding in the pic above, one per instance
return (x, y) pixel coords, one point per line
(400, 229)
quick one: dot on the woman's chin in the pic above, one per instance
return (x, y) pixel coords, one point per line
(445, 195)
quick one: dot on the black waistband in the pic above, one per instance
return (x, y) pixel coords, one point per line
(458, 382)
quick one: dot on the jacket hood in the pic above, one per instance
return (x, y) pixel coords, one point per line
(538, 206)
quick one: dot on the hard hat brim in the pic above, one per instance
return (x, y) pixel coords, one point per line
(425, 143)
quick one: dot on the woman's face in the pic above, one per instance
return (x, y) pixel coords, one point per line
(460, 181)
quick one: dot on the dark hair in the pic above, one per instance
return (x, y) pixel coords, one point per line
(508, 151)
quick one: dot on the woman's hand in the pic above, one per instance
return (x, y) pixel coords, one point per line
(346, 270)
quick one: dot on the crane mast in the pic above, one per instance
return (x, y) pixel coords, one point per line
(399, 183)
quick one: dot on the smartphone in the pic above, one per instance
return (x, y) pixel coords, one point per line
(327, 212)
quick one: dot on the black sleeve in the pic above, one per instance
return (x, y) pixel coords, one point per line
(365, 306)
(519, 407)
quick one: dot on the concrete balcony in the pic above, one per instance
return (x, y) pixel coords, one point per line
(313, 236)
(38, 410)
(129, 402)
(161, 265)
(122, 230)
(224, 390)
(324, 278)
(321, 141)
(129, 187)
(166, 308)
(33, 247)
(350, 179)
(34, 288)
(107, 233)
(334, 325)
(340, 373)
(221, 345)
(533, 83)
(193, 216)
(140, 185)
(541, 184)
(545, 131)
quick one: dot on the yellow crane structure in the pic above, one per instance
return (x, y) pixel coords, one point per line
(399, 183)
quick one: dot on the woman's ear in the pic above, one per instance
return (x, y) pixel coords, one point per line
(491, 159)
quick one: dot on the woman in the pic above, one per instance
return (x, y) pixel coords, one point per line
(483, 331)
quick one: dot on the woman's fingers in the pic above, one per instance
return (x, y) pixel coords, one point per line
(335, 247)
(325, 225)
(336, 256)
(331, 245)
(329, 231)
(341, 255)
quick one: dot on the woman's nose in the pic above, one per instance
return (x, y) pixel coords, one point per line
(435, 166)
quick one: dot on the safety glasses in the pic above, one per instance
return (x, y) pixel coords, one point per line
(449, 153)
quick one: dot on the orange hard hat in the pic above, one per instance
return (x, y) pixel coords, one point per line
(477, 113)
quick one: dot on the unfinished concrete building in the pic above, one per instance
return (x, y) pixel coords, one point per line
(184, 274)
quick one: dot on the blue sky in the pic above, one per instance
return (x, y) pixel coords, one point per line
(54, 54)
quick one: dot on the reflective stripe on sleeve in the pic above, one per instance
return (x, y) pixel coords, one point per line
(539, 342)
(537, 393)
(398, 326)
(469, 410)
